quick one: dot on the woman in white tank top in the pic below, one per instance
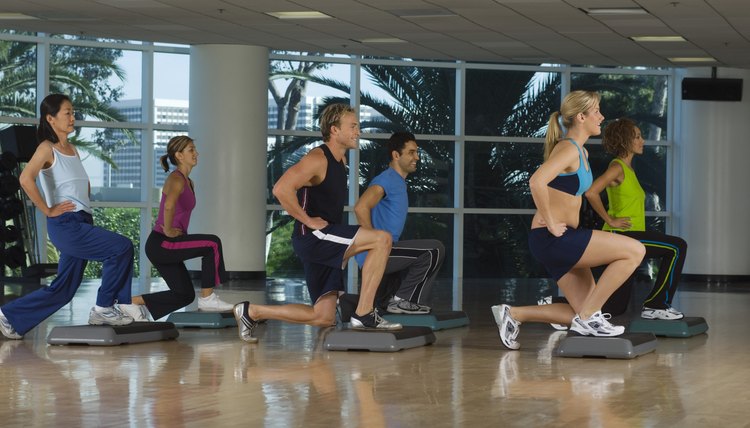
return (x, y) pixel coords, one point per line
(65, 202)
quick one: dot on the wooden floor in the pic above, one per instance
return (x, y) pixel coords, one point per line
(209, 378)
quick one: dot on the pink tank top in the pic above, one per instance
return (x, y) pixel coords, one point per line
(182, 210)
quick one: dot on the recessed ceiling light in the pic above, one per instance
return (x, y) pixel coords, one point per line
(382, 40)
(303, 14)
(642, 39)
(615, 11)
(15, 17)
(692, 59)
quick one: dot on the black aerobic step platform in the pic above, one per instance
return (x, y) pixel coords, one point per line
(108, 335)
(436, 320)
(198, 319)
(378, 341)
(625, 346)
(685, 327)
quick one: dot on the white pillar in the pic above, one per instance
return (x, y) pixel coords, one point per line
(229, 122)
(713, 160)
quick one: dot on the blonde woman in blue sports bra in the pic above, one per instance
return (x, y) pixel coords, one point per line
(568, 252)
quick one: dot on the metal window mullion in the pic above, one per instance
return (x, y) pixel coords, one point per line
(458, 183)
(147, 164)
(354, 91)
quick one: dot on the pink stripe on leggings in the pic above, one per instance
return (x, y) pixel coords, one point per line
(185, 245)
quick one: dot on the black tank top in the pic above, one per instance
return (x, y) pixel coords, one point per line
(327, 199)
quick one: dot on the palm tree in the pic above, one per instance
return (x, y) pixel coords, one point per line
(80, 72)
(498, 103)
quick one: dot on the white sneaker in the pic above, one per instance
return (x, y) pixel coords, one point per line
(212, 303)
(507, 327)
(596, 325)
(8, 330)
(139, 313)
(109, 316)
(546, 301)
(401, 306)
(372, 321)
(661, 314)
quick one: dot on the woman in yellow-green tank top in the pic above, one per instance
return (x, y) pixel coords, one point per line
(626, 214)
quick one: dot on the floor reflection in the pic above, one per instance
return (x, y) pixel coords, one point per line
(210, 378)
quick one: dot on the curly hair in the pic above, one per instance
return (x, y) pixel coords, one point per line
(618, 137)
(397, 142)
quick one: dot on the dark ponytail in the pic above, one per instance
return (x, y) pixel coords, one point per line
(164, 164)
(51, 105)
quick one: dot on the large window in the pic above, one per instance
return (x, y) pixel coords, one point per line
(116, 117)
(480, 130)
(18, 74)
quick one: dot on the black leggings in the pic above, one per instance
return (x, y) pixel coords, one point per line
(168, 256)
(671, 250)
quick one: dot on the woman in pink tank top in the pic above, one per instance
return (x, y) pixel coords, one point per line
(170, 244)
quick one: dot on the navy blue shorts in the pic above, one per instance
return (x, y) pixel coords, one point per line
(322, 254)
(558, 255)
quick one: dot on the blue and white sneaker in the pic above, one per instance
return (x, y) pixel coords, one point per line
(109, 316)
(245, 324)
(669, 313)
(596, 325)
(507, 327)
(139, 313)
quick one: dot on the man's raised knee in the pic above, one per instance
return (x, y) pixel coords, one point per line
(383, 239)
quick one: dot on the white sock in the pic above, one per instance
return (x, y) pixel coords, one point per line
(101, 308)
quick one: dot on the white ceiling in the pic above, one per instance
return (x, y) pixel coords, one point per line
(506, 31)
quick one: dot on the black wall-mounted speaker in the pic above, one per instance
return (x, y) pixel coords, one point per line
(711, 89)
(19, 140)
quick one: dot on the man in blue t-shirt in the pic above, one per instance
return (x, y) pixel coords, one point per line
(384, 205)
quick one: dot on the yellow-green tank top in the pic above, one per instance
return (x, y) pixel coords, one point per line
(627, 200)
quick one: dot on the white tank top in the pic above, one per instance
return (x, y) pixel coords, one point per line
(66, 180)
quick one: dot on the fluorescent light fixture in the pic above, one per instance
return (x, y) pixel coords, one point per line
(615, 11)
(692, 59)
(423, 13)
(15, 17)
(304, 14)
(646, 39)
(382, 40)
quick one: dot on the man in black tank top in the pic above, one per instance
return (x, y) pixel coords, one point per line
(314, 192)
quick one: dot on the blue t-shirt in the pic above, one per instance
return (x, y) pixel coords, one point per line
(390, 213)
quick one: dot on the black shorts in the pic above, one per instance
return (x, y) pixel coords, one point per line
(558, 255)
(322, 254)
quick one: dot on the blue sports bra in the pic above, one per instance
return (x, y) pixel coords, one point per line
(574, 183)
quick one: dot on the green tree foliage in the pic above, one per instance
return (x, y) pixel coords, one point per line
(83, 73)
(512, 103)
(126, 222)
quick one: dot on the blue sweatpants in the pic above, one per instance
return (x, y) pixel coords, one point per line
(78, 241)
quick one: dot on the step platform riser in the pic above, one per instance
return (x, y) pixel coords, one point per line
(436, 320)
(200, 319)
(378, 341)
(106, 335)
(625, 346)
(685, 327)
